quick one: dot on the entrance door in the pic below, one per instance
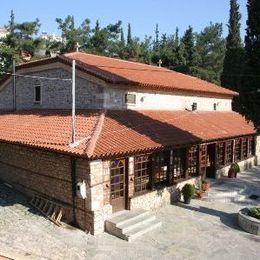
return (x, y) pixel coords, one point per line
(211, 150)
(118, 185)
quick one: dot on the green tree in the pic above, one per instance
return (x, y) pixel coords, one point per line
(21, 37)
(69, 33)
(189, 51)
(210, 47)
(129, 34)
(250, 91)
(235, 55)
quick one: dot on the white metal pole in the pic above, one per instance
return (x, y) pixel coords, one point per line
(73, 104)
(14, 85)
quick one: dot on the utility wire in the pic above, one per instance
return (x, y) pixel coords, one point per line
(33, 77)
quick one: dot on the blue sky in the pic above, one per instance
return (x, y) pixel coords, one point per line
(142, 14)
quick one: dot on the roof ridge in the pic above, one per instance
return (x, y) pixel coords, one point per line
(95, 134)
(118, 59)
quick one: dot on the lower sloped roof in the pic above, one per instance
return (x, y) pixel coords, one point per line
(117, 132)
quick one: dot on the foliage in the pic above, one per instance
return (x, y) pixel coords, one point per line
(21, 38)
(235, 54)
(188, 190)
(254, 212)
(211, 50)
(250, 92)
(235, 167)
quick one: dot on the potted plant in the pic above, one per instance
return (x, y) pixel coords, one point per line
(233, 170)
(205, 185)
(188, 191)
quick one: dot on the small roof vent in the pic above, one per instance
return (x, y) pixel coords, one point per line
(194, 106)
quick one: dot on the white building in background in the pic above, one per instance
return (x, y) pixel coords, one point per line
(51, 37)
(3, 33)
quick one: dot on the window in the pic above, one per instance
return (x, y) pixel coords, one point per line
(160, 168)
(237, 155)
(37, 93)
(215, 106)
(250, 145)
(221, 153)
(142, 177)
(130, 98)
(192, 161)
(178, 164)
(244, 148)
(229, 152)
(194, 106)
(117, 173)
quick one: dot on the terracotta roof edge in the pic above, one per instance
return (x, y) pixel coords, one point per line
(96, 133)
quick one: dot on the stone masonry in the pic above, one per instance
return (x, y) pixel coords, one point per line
(48, 175)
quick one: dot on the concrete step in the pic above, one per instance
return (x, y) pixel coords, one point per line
(141, 230)
(135, 223)
(129, 225)
(125, 216)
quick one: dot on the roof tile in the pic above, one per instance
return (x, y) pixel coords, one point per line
(119, 132)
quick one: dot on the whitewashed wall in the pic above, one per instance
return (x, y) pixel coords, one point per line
(115, 98)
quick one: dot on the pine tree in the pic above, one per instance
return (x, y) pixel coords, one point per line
(234, 57)
(189, 51)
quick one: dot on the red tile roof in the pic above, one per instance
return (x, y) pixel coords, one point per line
(144, 76)
(115, 133)
(141, 76)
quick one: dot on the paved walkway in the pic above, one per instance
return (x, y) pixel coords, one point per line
(202, 230)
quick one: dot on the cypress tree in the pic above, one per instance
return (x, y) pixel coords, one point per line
(189, 50)
(156, 42)
(250, 94)
(129, 35)
(233, 62)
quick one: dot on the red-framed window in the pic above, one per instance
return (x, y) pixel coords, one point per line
(221, 153)
(192, 166)
(229, 152)
(142, 171)
(237, 152)
(244, 146)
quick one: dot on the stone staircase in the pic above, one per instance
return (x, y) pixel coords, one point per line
(129, 225)
(227, 191)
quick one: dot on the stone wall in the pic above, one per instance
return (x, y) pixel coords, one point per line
(48, 175)
(92, 92)
(244, 165)
(100, 196)
(159, 198)
(6, 98)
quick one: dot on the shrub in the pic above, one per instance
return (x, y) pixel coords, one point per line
(254, 212)
(235, 167)
(188, 190)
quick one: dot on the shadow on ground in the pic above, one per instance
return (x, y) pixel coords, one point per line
(228, 219)
(10, 196)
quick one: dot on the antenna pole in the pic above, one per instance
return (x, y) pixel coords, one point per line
(14, 85)
(73, 104)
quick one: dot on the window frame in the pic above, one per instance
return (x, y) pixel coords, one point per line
(37, 85)
(143, 176)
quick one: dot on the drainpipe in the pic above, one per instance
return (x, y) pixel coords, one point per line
(14, 86)
(73, 187)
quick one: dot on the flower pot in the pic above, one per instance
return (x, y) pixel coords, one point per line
(205, 186)
(231, 174)
(200, 194)
(187, 200)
